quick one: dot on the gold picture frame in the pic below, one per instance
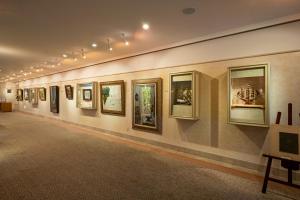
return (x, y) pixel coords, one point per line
(248, 99)
(112, 95)
(42, 94)
(184, 95)
(84, 102)
(147, 104)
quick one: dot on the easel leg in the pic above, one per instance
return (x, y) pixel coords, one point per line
(290, 176)
(264, 189)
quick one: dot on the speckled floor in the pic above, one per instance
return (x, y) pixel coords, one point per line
(45, 159)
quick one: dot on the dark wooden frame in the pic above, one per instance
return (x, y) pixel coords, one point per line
(158, 82)
(84, 97)
(123, 99)
(54, 106)
(26, 91)
(19, 96)
(34, 98)
(43, 90)
(69, 96)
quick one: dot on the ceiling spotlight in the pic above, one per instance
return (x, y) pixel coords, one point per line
(58, 64)
(65, 55)
(21, 71)
(146, 26)
(124, 38)
(25, 74)
(94, 45)
(37, 70)
(108, 45)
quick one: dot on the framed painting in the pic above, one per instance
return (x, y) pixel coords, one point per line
(42, 94)
(184, 95)
(26, 94)
(248, 95)
(34, 96)
(54, 99)
(113, 97)
(87, 95)
(147, 104)
(19, 95)
(69, 92)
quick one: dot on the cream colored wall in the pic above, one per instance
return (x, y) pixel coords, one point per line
(211, 133)
(4, 96)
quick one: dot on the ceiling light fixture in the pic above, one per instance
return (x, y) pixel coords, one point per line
(146, 26)
(94, 45)
(65, 55)
(124, 38)
(108, 45)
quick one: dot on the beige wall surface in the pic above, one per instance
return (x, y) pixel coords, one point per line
(211, 133)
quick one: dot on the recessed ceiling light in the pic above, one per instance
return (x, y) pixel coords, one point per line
(126, 43)
(110, 48)
(146, 26)
(188, 11)
(65, 55)
(94, 45)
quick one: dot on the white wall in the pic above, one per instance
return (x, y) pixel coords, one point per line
(211, 133)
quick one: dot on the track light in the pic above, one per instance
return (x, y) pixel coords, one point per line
(108, 45)
(94, 45)
(124, 38)
(146, 26)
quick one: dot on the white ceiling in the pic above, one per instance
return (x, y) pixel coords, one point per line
(35, 33)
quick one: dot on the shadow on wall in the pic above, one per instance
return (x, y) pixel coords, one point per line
(205, 130)
(257, 135)
(87, 112)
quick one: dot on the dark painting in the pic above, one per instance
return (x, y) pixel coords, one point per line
(54, 99)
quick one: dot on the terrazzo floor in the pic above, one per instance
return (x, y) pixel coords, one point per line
(44, 159)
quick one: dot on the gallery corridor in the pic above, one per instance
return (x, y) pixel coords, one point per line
(48, 159)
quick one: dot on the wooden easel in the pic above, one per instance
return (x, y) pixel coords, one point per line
(290, 165)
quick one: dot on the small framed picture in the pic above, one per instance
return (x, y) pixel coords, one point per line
(69, 92)
(42, 94)
(87, 94)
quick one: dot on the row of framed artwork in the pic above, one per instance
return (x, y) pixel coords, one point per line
(247, 96)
